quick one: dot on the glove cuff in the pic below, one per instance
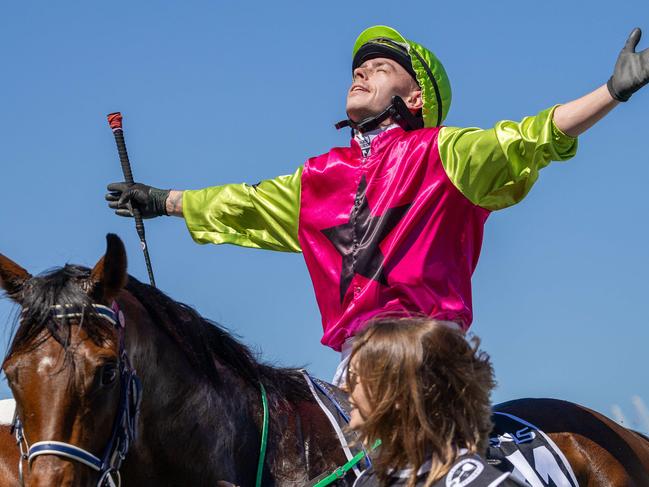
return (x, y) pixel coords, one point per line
(159, 201)
(614, 93)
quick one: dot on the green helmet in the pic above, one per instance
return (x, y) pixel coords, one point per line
(427, 69)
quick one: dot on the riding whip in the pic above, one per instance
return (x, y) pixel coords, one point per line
(115, 122)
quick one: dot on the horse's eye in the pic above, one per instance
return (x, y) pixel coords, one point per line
(108, 374)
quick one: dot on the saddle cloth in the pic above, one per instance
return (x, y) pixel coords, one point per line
(530, 455)
(335, 405)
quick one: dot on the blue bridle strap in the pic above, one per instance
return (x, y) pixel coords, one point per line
(61, 449)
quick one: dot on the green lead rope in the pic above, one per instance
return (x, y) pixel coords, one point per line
(264, 436)
(341, 471)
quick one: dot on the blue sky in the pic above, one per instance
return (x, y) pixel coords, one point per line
(217, 92)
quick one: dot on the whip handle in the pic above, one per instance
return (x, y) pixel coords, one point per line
(115, 122)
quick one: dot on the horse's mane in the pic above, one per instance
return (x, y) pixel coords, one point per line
(205, 343)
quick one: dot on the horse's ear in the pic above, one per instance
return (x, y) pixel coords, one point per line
(12, 277)
(109, 275)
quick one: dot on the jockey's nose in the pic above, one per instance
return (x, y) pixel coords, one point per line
(360, 72)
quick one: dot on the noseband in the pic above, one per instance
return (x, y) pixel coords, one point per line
(124, 428)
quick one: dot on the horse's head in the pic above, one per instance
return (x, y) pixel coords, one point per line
(66, 370)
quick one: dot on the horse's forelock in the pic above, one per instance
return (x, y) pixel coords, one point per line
(65, 286)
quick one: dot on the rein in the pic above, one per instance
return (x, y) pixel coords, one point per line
(124, 427)
(264, 437)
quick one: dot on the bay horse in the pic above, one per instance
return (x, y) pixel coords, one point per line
(201, 414)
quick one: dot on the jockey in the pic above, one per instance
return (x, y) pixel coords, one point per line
(393, 223)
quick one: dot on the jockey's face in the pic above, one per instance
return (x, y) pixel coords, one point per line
(376, 81)
(357, 398)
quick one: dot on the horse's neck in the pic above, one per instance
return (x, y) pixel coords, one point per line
(189, 428)
(193, 432)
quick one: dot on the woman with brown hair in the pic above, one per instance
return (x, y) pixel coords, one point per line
(424, 391)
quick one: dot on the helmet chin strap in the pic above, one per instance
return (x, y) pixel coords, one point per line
(397, 110)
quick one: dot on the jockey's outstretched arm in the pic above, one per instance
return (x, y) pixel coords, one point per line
(630, 74)
(577, 116)
(263, 215)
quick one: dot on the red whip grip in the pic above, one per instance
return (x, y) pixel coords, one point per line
(115, 120)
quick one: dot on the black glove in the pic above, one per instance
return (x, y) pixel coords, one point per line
(149, 200)
(631, 69)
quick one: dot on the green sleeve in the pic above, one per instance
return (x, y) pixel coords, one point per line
(263, 216)
(496, 168)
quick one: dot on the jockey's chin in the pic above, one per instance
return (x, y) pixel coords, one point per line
(362, 105)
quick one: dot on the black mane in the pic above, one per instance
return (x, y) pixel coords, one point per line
(204, 342)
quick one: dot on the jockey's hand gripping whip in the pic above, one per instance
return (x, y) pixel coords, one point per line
(115, 122)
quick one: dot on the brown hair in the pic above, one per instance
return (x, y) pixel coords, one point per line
(429, 394)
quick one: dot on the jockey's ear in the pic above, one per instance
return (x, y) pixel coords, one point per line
(12, 277)
(414, 101)
(109, 275)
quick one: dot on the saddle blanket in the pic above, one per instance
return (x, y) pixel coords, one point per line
(530, 455)
(335, 404)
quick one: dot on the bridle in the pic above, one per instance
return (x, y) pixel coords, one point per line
(124, 428)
